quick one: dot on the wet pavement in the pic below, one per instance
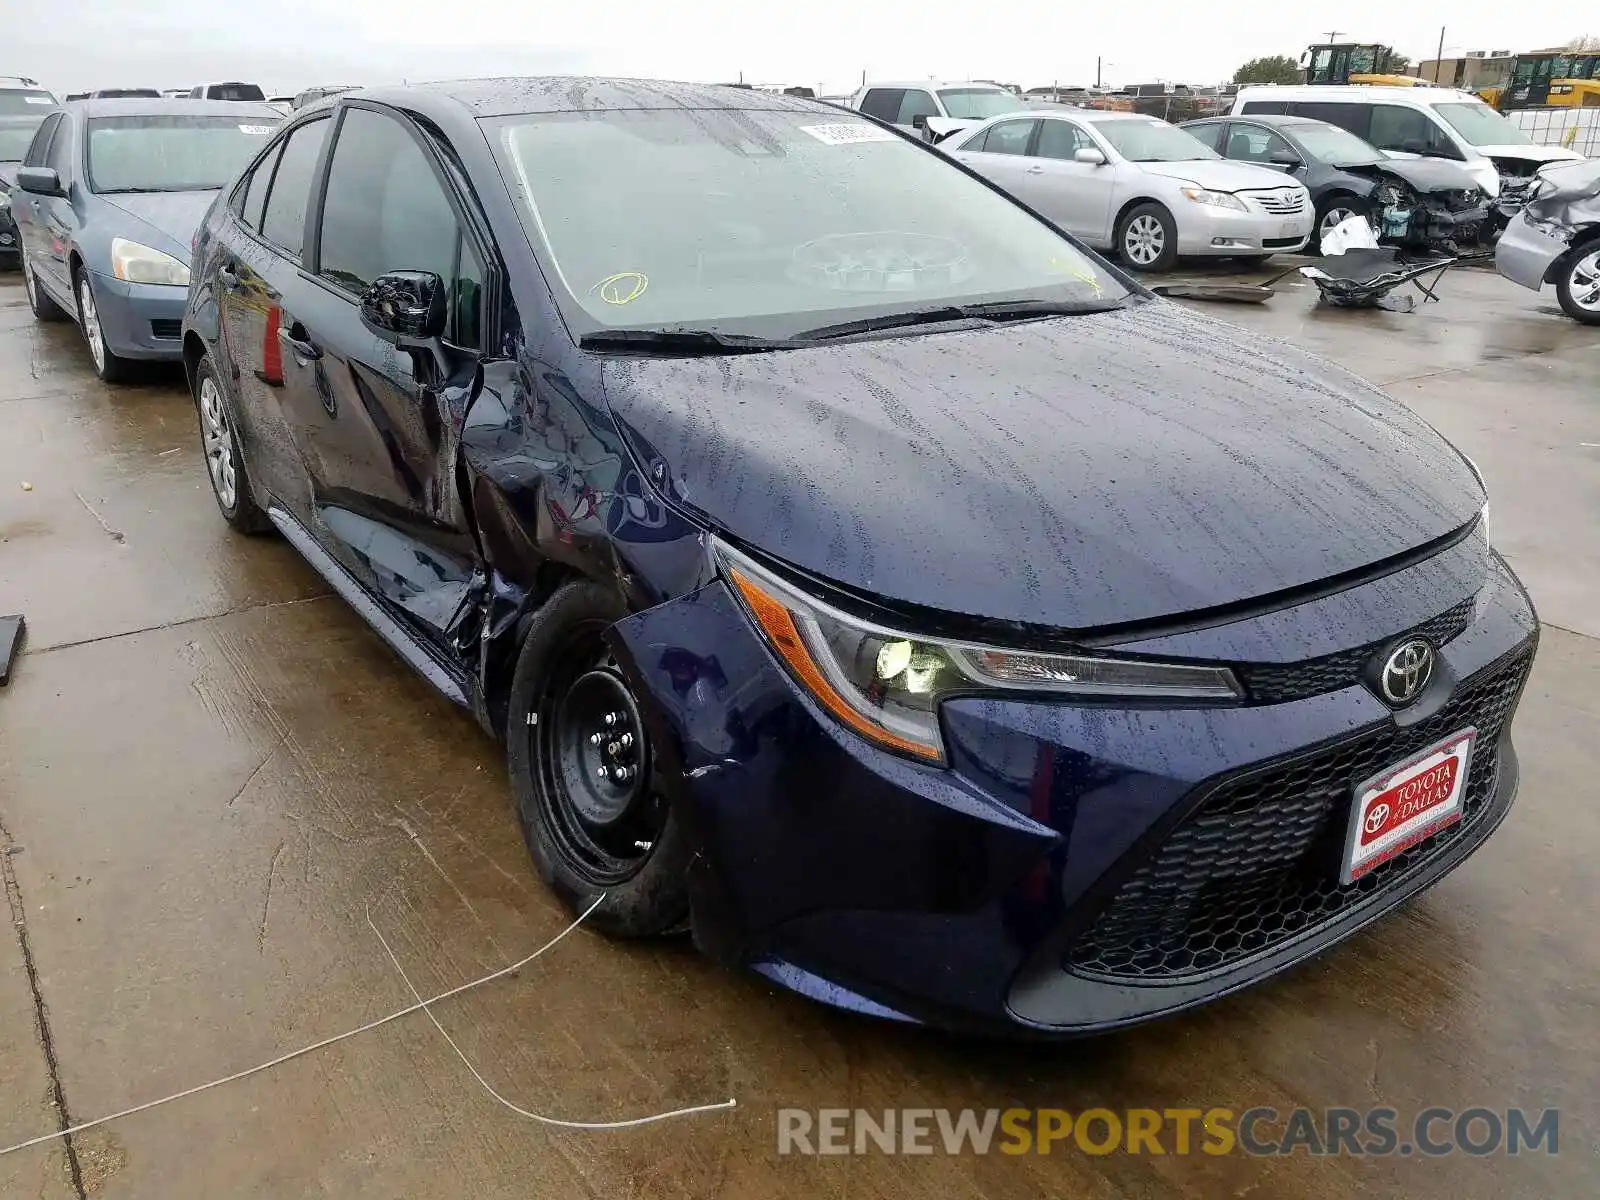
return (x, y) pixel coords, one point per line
(212, 773)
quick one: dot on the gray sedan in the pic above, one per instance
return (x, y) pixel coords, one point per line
(106, 204)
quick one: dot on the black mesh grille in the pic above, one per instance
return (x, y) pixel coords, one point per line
(1258, 862)
(166, 329)
(1273, 683)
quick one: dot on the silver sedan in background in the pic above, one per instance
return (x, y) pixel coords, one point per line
(1138, 186)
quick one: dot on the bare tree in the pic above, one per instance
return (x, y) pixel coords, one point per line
(1588, 43)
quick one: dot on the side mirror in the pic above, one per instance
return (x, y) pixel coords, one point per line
(1090, 155)
(1284, 158)
(41, 181)
(406, 308)
(919, 121)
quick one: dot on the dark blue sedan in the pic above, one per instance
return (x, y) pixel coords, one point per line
(860, 573)
(106, 203)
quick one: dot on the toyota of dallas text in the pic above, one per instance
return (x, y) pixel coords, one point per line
(860, 574)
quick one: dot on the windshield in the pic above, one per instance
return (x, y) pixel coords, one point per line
(1153, 141)
(769, 222)
(15, 103)
(977, 104)
(172, 153)
(15, 137)
(1480, 125)
(1336, 147)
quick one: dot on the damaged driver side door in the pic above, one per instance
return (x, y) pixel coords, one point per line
(378, 427)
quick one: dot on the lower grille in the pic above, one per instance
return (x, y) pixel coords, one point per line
(1257, 863)
(1273, 243)
(166, 329)
(1273, 683)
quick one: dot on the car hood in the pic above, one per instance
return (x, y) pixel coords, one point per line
(176, 215)
(1220, 175)
(1540, 154)
(1076, 473)
(1423, 174)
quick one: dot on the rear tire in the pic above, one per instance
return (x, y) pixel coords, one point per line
(588, 835)
(1147, 238)
(44, 308)
(230, 480)
(1578, 284)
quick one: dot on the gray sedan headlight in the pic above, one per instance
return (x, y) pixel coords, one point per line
(886, 684)
(142, 264)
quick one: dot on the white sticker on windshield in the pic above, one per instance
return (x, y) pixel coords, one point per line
(846, 134)
(37, 100)
(258, 130)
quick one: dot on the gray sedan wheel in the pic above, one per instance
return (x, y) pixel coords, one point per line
(1578, 287)
(106, 364)
(44, 308)
(1147, 238)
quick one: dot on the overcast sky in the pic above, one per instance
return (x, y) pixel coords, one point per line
(75, 45)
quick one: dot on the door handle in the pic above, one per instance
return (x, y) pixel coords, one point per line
(227, 278)
(304, 351)
(1034, 170)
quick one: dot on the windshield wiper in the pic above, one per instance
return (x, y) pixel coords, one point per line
(682, 341)
(1002, 310)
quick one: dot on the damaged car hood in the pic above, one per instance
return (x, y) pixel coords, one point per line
(1422, 174)
(1074, 473)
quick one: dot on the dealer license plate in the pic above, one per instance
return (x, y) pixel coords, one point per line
(1407, 804)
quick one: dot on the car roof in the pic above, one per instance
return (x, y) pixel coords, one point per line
(161, 106)
(934, 84)
(534, 95)
(1273, 119)
(1360, 93)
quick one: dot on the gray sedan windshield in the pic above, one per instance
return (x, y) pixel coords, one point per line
(171, 153)
(770, 222)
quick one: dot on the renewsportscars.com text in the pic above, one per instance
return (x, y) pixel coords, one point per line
(1253, 1131)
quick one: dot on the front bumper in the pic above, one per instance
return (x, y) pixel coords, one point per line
(1205, 229)
(10, 240)
(977, 896)
(140, 320)
(1526, 251)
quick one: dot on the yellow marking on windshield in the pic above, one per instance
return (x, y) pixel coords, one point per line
(622, 288)
(1078, 273)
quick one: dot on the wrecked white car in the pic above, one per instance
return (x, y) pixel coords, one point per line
(1556, 239)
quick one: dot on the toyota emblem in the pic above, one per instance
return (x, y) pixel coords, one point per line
(1406, 672)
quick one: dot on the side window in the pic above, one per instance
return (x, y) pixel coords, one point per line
(466, 299)
(385, 208)
(1061, 139)
(254, 197)
(283, 222)
(1395, 127)
(1210, 134)
(1265, 107)
(41, 141)
(1252, 143)
(917, 103)
(1008, 137)
(883, 103)
(60, 153)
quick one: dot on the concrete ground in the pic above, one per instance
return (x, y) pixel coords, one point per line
(211, 772)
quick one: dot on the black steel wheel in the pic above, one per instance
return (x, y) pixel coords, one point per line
(587, 786)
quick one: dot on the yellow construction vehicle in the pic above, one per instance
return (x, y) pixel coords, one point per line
(1574, 93)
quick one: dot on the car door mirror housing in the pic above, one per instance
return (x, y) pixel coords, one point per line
(41, 181)
(1284, 158)
(1095, 158)
(919, 121)
(406, 308)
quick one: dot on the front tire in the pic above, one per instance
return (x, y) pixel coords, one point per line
(230, 480)
(1578, 285)
(1147, 238)
(584, 777)
(109, 367)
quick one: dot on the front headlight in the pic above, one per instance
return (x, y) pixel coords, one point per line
(1215, 199)
(887, 684)
(141, 264)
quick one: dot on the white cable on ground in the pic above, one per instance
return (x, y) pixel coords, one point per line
(421, 1005)
(522, 1112)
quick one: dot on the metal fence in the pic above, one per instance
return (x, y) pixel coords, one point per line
(1575, 128)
